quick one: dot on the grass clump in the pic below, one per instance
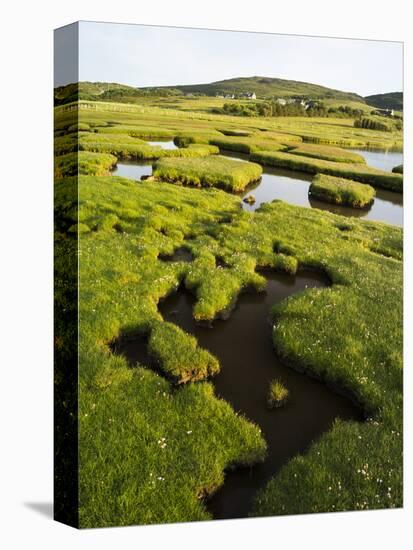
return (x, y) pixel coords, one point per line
(178, 355)
(325, 152)
(341, 191)
(213, 171)
(398, 169)
(357, 172)
(84, 162)
(277, 394)
(247, 144)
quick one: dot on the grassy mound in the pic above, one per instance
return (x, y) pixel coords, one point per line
(214, 171)
(341, 191)
(324, 152)
(87, 163)
(357, 172)
(178, 354)
(247, 144)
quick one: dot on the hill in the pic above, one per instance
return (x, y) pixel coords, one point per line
(263, 87)
(393, 100)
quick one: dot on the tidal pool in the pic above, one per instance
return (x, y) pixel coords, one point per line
(292, 187)
(243, 345)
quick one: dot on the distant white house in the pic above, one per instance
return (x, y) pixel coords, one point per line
(291, 101)
(384, 112)
(247, 95)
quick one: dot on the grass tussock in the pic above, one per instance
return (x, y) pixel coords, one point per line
(277, 394)
(214, 171)
(247, 144)
(341, 191)
(86, 163)
(178, 354)
(398, 169)
(325, 152)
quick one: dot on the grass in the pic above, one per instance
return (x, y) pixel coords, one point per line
(398, 169)
(125, 146)
(153, 444)
(148, 449)
(277, 394)
(247, 144)
(341, 191)
(324, 152)
(214, 171)
(357, 172)
(94, 164)
(178, 354)
(351, 338)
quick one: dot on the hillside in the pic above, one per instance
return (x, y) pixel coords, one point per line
(263, 87)
(393, 100)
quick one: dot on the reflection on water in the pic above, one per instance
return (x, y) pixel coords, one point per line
(164, 144)
(132, 169)
(384, 160)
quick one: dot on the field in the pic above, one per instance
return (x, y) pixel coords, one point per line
(156, 442)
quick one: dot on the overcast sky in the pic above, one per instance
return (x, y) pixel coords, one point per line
(150, 56)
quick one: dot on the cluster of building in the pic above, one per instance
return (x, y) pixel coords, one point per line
(247, 95)
(384, 112)
(306, 103)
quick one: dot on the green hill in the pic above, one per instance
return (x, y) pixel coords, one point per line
(393, 100)
(263, 87)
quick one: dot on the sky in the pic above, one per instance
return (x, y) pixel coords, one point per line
(157, 56)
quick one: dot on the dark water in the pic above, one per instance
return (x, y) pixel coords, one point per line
(384, 160)
(292, 187)
(180, 254)
(243, 345)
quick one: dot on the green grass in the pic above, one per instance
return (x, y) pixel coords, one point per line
(125, 146)
(152, 447)
(341, 191)
(247, 144)
(214, 171)
(357, 172)
(178, 354)
(148, 449)
(277, 394)
(324, 152)
(94, 164)
(398, 169)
